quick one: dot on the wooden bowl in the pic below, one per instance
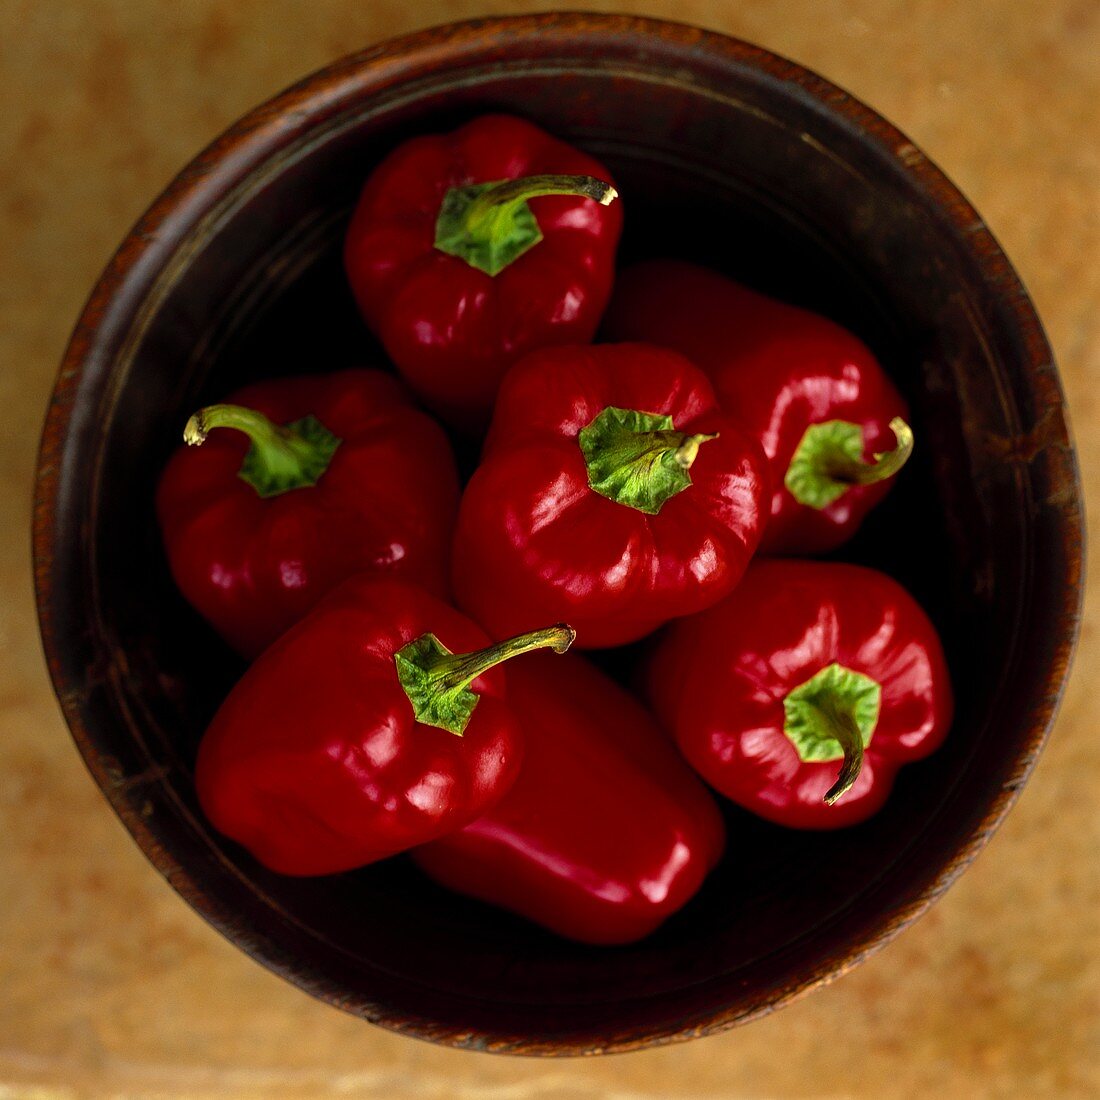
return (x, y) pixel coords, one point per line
(725, 154)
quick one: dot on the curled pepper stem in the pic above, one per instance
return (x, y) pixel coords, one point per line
(463, 668)
(489, 225)
(886, 464)
(281, 458)
(254, 424)
(843, 728)
(437, 681)
(832, 716)
(511, 193)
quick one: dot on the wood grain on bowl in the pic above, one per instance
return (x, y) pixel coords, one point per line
(781, 180)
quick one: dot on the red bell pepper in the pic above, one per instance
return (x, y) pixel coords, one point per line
(322, 477)
(469, 249)
(801, 695)
(605, 833)
(831, 422)
(612, 494)
(377, 723)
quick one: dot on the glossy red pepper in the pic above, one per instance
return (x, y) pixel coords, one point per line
(377, 723)
(831, 422)
(612, 494)
(605, 833)
(469, 249)
(801, 695)
(323, 477)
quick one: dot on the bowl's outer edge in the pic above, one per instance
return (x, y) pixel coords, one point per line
(1045, 447)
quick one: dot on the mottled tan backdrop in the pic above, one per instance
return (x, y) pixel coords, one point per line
(109, 984)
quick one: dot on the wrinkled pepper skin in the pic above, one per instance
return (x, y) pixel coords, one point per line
(252, 566)
(777, 369)
(536, 543)
(315, 761)
(452, 329)
(605, 833)
(718, 682)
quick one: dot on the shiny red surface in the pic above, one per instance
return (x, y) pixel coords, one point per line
(777, 370)
(386, 504)
(605, 833)
(451, 329)
(718, 681)
(315, 762)
(534, 544)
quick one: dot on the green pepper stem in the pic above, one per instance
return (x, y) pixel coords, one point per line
(489, 225)
(501, 199)
(254, 424)
(832, 716)
(843, 729)
(461, 669)
(437, 681)
(281, 457)
(688, 451)
(638, 459)
(645, 449)
(886, 464)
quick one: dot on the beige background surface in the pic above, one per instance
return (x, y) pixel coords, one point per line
(110, 985)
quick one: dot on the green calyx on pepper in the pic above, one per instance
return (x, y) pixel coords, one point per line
(437, 681)
(638, 459)
(832, 716)
(829, 461)
(281, 458)
(490, 224)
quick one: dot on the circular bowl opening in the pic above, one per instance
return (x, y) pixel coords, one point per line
(724, 154)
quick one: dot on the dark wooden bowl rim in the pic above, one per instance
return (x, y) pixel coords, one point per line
(257, 139)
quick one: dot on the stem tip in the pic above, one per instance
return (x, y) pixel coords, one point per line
(688, 451)
(194, 431)
(564, 637)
